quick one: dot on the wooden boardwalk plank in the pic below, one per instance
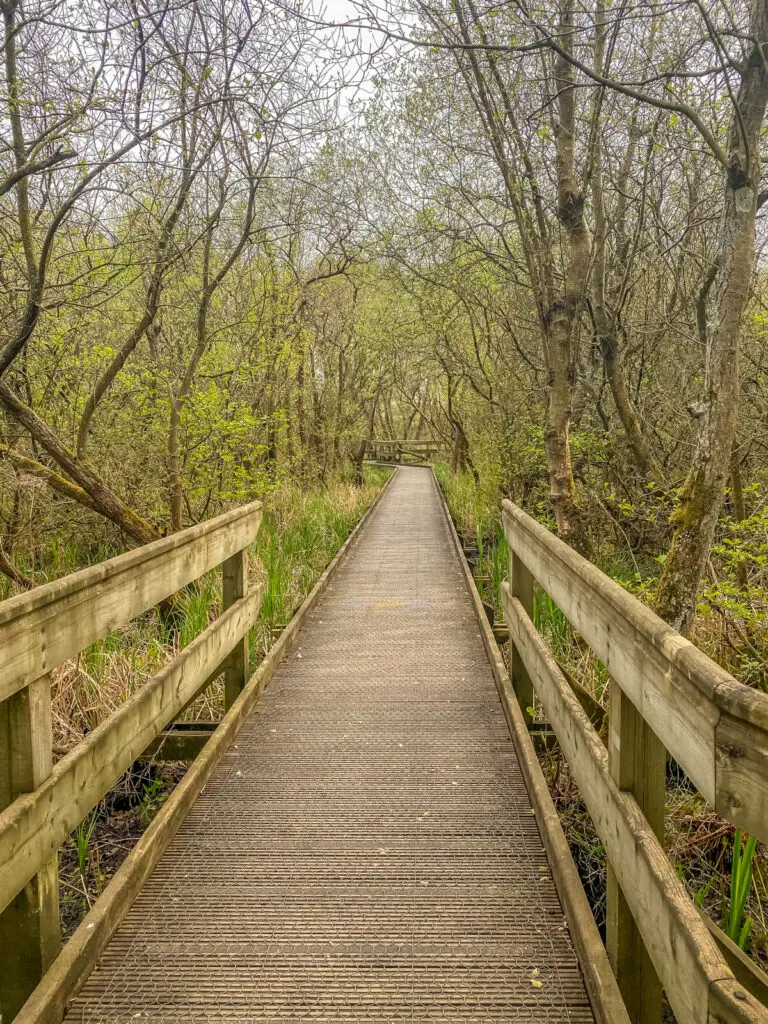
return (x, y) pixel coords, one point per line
(366, 851)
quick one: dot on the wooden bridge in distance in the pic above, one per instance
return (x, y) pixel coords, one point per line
(370, 838)
(401, 450)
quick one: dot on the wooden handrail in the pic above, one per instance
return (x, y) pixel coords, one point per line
(713, 725)
(40, 804)
(392, 449)
(36, 824)
(42, 628)
(404, 446)
(691, 704)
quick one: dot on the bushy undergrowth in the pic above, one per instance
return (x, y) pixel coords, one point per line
(731, 627)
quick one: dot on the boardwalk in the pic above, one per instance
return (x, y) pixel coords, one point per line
(366, 852)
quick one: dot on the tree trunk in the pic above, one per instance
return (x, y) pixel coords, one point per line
(739, 510)
(14, 575)
(648, 466)
(562, 488)
(606, 328)
(179, 399)
(564, 317)
(701, 497)
(175, 484)
(360, 455)
(301, 420)
(461, 460)
(104, 500)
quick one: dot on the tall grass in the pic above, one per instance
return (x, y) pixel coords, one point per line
(300, 533)
(737, 924)
(83, 834)
(476, 511)
(475, 507)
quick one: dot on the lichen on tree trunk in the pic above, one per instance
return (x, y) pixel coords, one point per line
(700, 499)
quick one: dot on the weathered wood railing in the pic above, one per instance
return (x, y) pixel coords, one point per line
(394, 449)
(38, 631)
(666, 695)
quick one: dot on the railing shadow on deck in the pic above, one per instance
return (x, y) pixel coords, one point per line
(40, 630)
(666, 696)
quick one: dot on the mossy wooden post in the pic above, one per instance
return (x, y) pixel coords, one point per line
(637, 763)
(29, 926)
(521, 587)
(235, 586)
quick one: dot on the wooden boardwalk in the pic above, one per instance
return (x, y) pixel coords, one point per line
(366, 851)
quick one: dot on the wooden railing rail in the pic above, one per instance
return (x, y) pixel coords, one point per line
(396, 449)
(424, 442)
(404, 445)
(667, 693)
(43, 803)
(713, 725)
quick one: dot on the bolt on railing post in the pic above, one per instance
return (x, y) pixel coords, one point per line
(637, 763)
(30, 935)
(521, 587)
(235, 586)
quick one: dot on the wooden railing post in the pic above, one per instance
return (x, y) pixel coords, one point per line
(637, 763)
(30, 936)
(521, 587)
(235, 586)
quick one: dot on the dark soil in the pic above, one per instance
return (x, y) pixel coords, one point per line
(96, 850)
